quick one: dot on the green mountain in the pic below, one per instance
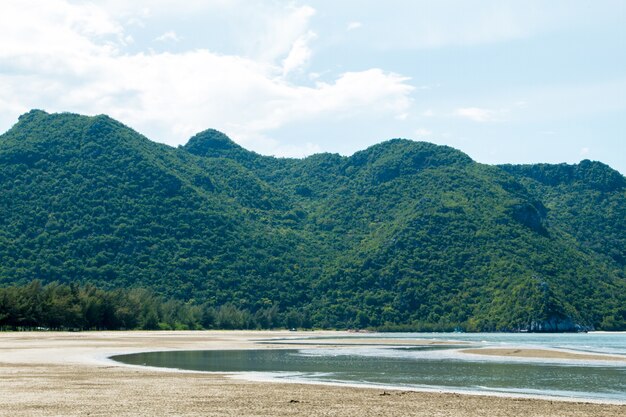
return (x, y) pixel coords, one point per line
(402, 235)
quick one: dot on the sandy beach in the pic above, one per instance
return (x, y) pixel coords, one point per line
(68, 374)
(543, 353)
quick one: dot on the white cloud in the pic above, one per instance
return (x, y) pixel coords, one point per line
(354, 25)
(423, 132)
(477, 114)
(366, 92)
(169, 36)
(299, 54)
(584, 151)
(280, 33)
(62, 56)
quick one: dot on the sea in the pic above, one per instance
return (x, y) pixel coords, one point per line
(425, 367)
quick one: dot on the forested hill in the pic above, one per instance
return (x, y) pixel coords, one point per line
(402, 235)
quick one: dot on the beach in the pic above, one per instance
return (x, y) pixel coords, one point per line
(68, 374)
(543, 353)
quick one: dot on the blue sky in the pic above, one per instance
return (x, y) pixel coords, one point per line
(504, 81)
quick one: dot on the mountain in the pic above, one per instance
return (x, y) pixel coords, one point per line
(402, 235)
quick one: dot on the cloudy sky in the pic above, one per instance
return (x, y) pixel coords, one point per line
(504, 81)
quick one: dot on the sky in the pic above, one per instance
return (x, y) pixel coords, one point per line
(503, 81)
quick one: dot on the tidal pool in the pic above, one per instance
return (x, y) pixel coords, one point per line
(427, 367)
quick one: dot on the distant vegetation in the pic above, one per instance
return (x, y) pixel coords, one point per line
(401, 236)
(58, 306)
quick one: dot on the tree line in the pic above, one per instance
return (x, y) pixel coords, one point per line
(59, 306)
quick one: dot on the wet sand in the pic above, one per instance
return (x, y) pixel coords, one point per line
(543, 354)
(366, 341)
(67, 374)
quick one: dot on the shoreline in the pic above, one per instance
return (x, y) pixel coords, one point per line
(523, 352)
(55, 373)
(352, 342)
(433, 390)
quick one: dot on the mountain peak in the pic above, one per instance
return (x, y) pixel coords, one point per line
(31, 115)
(591, 174)
(430, 153)
(212, 143)
(209, 142)
(42, 136)
(399, 157)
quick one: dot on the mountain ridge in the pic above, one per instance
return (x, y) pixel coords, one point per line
(403, 234)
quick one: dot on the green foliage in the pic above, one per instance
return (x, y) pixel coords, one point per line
(401, 236)
(57, 306)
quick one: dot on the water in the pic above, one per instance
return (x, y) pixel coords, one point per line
(428, 367)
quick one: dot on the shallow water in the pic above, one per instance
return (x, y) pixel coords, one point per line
(439, 367)
(595, 342)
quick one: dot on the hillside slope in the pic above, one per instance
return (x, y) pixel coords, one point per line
(401, 235)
